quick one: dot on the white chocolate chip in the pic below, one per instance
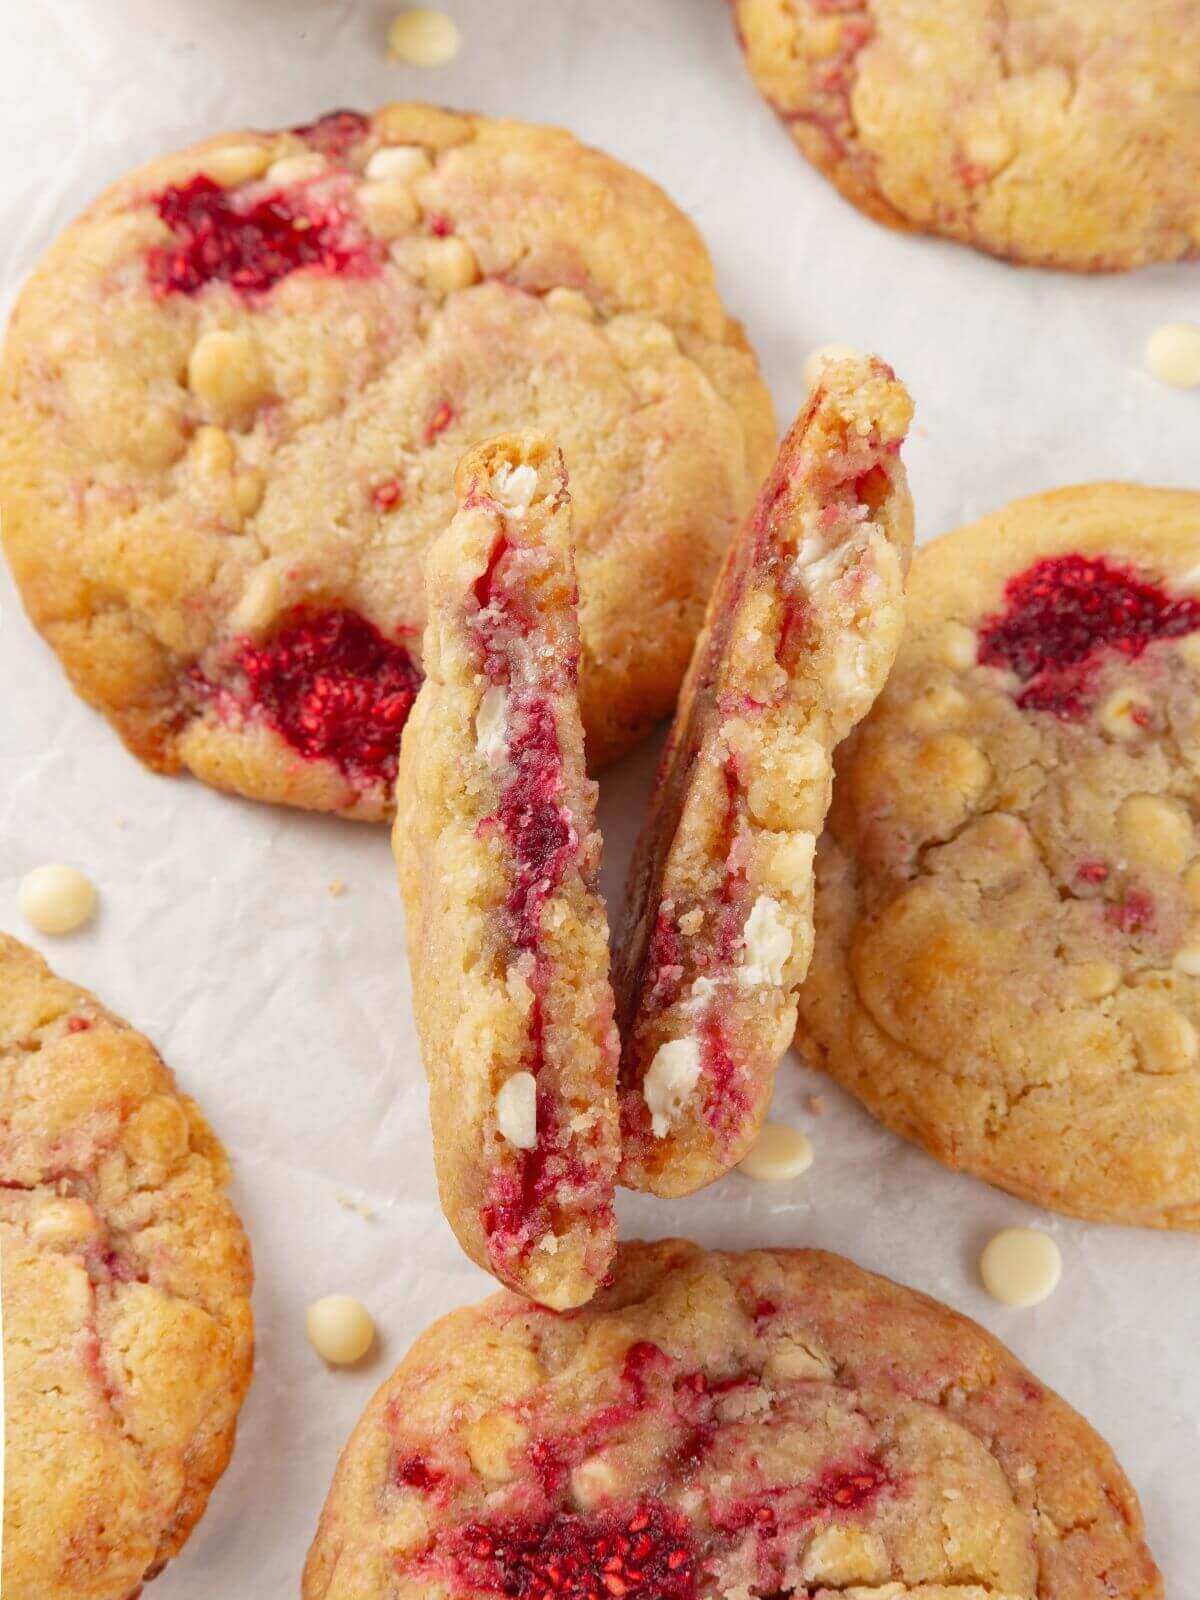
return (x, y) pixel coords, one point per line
(959, 647)
(1187, 957)
(236, 163)
(442, 265)
(226, 371)
(768, 943)
(491, 1442)
(788, 1360)
(491, 724)
(516, 1110)
(1167, 1041)
(571, 302)
(1173, 354)
(817, 360)
(63, 1222)
(261, 602)
(939, 706)
(841, 1554)
(401, 163)
(515, 487)
(669, 1082)
(1155, 831)
(297, 169)
(780, 1152)
(593, 1480)
(423, 37)
(340, 1329)
(1095, 980)
(1125, 714)
(56, 899)
(249, 487)
(389, 209)
(1020, 1266)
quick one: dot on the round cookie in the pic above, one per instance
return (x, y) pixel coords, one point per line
(1007, 954)
(1062, 133)
(128, 1338)
(235, 391)
(724, 1425)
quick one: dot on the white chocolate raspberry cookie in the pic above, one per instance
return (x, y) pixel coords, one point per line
(1007, 964)
(802, 629)
(497, 851)
(1064, 133)
(126, 1278)
(768, 1424)
(235, 391)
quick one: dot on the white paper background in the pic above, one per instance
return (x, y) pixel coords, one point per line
(286, 1011)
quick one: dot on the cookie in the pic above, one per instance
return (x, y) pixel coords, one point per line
(1061, 133)
(126, 1277)
(498, 852)
(1007, 963)
(236, 389)
(801, 631)
(778, 1422)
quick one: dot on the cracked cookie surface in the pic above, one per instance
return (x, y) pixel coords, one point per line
(126, 1279)
(498, 853)
(1062, 133)
(775, 1422)
(235, 390)
(801, 631)
(1007, 957)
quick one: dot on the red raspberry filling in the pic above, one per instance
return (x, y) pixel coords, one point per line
(335, 132)
(645, 1552)
(251, 246)
(414, 1472)
(335, 689)
(1062, 613)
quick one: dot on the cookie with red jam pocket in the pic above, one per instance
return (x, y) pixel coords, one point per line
(1064, 133)
(801, 631)
(235, 390)
(128, 1337)
(777, 1422)
(498, 854)
(1007, 964)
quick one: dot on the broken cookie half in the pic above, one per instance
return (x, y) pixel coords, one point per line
(801, 631)
(497, 852)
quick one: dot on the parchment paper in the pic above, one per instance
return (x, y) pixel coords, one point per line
(285, 1010)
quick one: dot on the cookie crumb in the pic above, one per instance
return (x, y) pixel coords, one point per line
(1020, 1266)
(340, 1329)
(360, 1207)
(1173, 354)
(337, 887)
(816, 1105)
(780, 1152)
(57, 899)
(817, 359)
(423, 37)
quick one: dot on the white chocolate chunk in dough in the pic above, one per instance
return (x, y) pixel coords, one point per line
(491, 724)
(1020, 1266)
(516, 1110)
(399, 162)
(669, 1083)
(515, 487)
(780, 1152)
(768, 943)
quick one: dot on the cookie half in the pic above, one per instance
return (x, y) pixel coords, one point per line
(128, 1337)
(1007, 964)
(233, 398)
(778, 1422)
(1062, 133)
(802, 628)
(498, 854)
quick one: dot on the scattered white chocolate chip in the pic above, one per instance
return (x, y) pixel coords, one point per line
(423, 37)
(669, 1082)
(340, 1329)
(780, 1152)
(1124, 714)
(1173, 354)
(297, 169)
(817, 360)
(249, 487)
(56, 899)
(767, 943)
(516, 1110)
(236, 163)
(1155, 831)
(261, 601)
(515, 487)
(1020, 1266)
(226, 371)
(1095, 980)
(593, 1480)
(491, 1442)
(389, 209)
(211, 453)
(491, 724)
(62, 1222)
(571, 302)
(959, 646)
(447, 264)
(1187, 957)
(400, 163)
